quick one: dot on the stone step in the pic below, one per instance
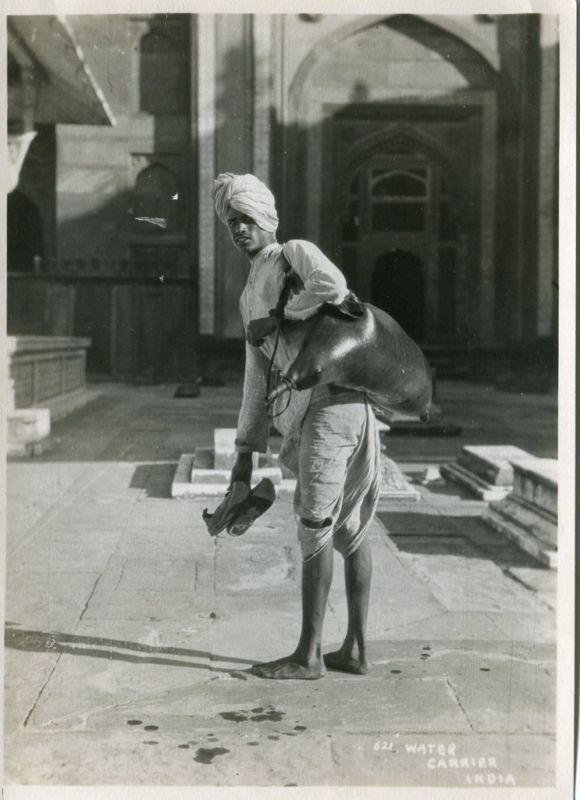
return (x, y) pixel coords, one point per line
(492, 463)
(528, 515)
(28, 431)
(536, 481)
(523, 536)
(486, 471)
(193, 481)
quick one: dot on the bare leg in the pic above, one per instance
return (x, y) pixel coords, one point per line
(357, 575)
(306, 661)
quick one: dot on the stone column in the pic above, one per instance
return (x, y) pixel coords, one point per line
(547, 258)
(206, 123)
(262, 38)
(488, 193)
(313, 169)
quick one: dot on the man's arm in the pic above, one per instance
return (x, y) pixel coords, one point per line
(323, 281)
(253, 423)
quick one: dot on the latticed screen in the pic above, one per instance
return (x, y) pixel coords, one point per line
(399, 199)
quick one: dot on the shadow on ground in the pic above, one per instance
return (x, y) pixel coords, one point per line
(155, 479)
(111, 649)
(440, 535)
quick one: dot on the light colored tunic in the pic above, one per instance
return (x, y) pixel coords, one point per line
(323, 282)
(330, 440)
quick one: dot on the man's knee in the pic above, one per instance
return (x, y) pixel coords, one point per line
(316, 524)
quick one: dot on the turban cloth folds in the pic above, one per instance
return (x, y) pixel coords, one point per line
(247, 194)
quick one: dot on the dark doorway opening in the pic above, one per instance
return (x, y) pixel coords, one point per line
(24, 233)
(398, 287)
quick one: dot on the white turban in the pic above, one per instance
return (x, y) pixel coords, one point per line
(247, 194)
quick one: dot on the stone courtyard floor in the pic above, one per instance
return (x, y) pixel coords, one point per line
(129, 631)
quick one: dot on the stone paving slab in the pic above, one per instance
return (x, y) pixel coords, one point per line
(182, 756)
(81, 687)
(48, 601)
(464, 626)
(26, 670)
(527, 627)
(380, 702)
(459, 579)
(139, 616)
(542, 582)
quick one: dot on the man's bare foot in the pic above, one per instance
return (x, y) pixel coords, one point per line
(289, 668)
(340, 661)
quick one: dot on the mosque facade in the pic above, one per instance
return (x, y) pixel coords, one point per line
(420, 153)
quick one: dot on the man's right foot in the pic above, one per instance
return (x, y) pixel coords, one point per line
(288, 668)
(341, 662)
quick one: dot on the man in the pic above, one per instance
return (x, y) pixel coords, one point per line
(330, 438)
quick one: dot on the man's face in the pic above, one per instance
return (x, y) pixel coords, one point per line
(247, 236)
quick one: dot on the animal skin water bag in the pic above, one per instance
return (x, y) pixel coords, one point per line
(370, 352)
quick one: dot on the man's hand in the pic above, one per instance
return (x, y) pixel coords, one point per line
(242, 469)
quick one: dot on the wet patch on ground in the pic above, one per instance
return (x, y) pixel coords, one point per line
(205, 755)
(269, 714)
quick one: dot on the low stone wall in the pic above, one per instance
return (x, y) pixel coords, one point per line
(42, 368)
(529, 513)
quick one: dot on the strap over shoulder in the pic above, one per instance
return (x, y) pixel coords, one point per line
(292, 282)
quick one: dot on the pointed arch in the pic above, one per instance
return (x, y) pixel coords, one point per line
(157, 204)
(447, 24)
(401, 139)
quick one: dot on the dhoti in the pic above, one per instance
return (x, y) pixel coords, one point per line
(339, 472)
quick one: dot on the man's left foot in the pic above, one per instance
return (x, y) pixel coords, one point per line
(343, 663)
(288, 669)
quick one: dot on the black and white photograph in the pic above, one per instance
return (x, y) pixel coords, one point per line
(289, 384)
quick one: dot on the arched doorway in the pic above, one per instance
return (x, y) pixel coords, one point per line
(399, 236)
(401, 94)
(398, 286)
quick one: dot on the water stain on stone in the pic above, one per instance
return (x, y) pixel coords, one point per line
(134, 722)
(271, 716)
(290, 784)
(291, 733)
(300, 728)
(183, 746)
(233, 716)
(239, 675)
(257, 710)
(151, 742)
(205, 755)
(396, 671)
(252, 744)
(151, 728)
(274, 738)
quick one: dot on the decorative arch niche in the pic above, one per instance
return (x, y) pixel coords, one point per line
(157, 204)
(163, 68)
(452, 126)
